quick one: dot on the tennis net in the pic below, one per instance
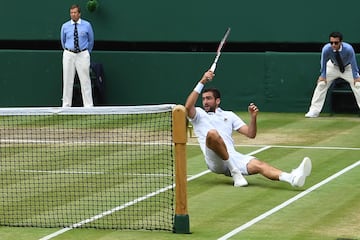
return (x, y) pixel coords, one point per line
(101, 167)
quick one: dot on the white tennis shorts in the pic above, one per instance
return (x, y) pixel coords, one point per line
(217, 165)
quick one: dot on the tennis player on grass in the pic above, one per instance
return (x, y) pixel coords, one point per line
(214, 126)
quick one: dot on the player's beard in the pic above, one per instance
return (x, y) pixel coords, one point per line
(210, 108)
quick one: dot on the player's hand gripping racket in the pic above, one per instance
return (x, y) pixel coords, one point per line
(218, 52)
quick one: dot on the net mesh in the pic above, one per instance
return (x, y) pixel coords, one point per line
(103, 167)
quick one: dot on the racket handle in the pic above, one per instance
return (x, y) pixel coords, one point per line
(213, 67)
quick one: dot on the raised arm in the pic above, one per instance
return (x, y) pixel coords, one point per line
(192, 98)
(251, 129)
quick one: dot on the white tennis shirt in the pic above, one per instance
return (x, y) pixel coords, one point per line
(225, 122)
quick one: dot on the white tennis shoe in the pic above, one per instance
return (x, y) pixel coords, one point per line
(301, 172)
(239, 180)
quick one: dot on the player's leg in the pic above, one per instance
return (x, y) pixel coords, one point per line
(296, 178)
(256, 166)
(216, 144)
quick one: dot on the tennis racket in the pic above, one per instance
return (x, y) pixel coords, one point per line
(218, 52)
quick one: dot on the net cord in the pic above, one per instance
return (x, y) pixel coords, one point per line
(87, 111)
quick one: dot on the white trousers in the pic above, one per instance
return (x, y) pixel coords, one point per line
(80, 63)
(332, 73)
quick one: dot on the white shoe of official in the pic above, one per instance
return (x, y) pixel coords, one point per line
(301, 172)
(311, 114)
(239, 180)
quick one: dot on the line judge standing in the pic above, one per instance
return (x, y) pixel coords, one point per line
(337, 61)
(77, 40)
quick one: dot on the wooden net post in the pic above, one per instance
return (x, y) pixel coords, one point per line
(181, 219)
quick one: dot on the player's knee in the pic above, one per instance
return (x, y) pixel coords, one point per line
(212, 133)
(212, 136)
(255, 166)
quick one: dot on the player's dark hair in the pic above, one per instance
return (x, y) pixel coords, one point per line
(214, 91)
(336, 35)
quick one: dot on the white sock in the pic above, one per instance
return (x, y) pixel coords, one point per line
(232, 167)
(285, 177)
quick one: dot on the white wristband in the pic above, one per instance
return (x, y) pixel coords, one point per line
(199, 87)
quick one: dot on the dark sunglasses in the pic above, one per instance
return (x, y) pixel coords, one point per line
(336, 43)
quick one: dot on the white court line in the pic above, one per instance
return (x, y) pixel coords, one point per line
(303, 147)
(289, 146)
(288, 202)
(61, 231)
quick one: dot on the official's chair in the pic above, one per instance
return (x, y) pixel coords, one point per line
(342, 99)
